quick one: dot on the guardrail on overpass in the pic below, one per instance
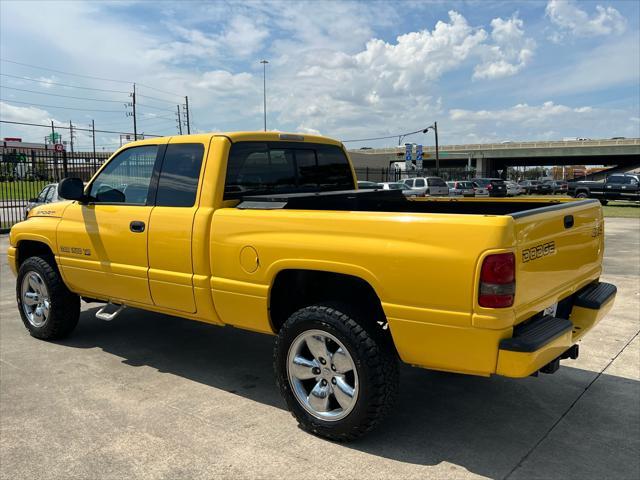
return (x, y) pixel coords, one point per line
(623, 142)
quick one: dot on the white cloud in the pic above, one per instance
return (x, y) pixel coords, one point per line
(14, 113)
(222, 80)
(244, 36)
(510, 53)
(571, 19)
(544, 121)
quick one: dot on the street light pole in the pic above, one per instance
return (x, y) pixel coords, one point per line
(264, 90)
(434, 127)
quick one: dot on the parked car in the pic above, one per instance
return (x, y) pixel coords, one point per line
(364, 185)
(513, 189)
(48, 194)
(490, 187)
(349, 282)
(461, 188)
(432, 186)
(397, 186)
(620, 186)
(530, 186)
(535, 187)
(557, 186)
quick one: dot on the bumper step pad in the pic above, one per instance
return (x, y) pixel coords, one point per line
(595, 295)
(535, 334)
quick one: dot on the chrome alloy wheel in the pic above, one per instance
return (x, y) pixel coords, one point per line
(35, 299)
(322, 375)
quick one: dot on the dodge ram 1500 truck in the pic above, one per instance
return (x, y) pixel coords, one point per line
(619, 186)
(268, 232)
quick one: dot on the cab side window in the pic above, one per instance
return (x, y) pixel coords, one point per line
(49, 197)
(179, 175)
(126, 177)
(43, 194)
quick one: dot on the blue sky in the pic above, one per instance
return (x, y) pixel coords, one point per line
(486, 71)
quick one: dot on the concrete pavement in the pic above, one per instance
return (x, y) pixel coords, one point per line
(152, 396)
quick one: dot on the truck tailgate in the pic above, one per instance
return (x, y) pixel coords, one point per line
(559, 250)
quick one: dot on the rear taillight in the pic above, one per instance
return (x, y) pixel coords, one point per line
(497, 281)
(489, 187)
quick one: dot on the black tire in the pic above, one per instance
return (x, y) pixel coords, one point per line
(375, 362)
(582, 195)
(603, 201)
(64, 310)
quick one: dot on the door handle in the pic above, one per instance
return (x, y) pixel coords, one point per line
(136, 226)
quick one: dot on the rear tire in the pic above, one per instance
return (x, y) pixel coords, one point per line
(347, 357)
(582, 195)
(47, 307)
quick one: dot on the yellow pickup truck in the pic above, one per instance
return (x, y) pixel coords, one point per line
(268, 232)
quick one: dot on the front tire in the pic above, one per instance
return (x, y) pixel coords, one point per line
(338, 377)
(582, 195)
(47, 308)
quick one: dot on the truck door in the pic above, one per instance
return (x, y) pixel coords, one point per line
(171, 225)
(103, 244)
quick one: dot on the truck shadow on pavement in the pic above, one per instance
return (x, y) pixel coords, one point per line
(484, 425)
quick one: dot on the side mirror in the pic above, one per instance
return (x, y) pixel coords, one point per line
(71, 189)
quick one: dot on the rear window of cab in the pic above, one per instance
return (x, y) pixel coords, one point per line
(258, 168)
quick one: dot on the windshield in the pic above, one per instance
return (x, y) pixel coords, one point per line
(436, 182)
(397, 186)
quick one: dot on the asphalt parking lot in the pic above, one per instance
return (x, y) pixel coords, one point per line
(152, 396)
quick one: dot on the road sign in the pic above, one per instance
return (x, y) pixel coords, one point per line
(419, 157)
(408, 151)
(54, 137)
(58, 147)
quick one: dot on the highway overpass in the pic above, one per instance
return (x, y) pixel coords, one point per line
(490, 157)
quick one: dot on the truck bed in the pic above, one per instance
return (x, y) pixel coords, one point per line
(395, 201)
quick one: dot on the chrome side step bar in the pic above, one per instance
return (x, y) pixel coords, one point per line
(102, 314)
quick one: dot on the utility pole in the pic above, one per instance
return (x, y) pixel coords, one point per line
(179, 120)
(71, 135)
(93, 137)
(186, 113)
(53, 135)
(135, 126)
(435, 129)
(264, 90)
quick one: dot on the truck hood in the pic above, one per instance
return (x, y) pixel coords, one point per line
(54, 209)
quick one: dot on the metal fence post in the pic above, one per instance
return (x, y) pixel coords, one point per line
(64, 164)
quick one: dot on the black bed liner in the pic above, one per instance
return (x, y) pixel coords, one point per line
(395, 201)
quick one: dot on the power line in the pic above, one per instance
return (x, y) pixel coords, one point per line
(47, 82)
(151, 106)
(63, 72)
(74, 128)
(58, 95)
(153, 98)
(383, 138)
(85, 76)
(57, 106)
